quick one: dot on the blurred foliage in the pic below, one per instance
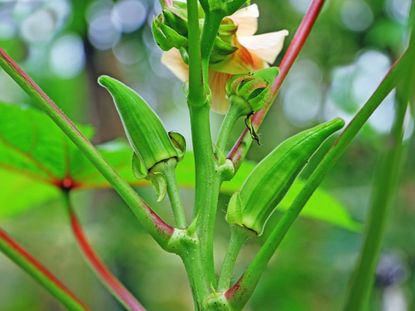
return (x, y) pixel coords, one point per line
(65, 45)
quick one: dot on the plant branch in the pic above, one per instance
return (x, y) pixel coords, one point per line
(242, 145)
(384, 192)
(160, 230)
(28, 263)
(231, 117)
(174, 196)
(239, 294)
(100, 269)
(237, 240)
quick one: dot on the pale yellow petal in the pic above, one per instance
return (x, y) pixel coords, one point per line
(239, 62)
(174, 62)
(266, 46)
(217, 84)
(247, 20)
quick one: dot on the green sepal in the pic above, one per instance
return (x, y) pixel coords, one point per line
(227, 28)
(224, 44)
(185, 55)
(159, 183)
(179, 143)
(167, 37)
(226, 170)
(250, 92)
(139, 169)
(176, 22)
(271, 179)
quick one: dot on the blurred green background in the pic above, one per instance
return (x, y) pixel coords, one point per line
(65, 45)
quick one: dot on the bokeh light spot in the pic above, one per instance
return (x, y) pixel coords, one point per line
(67, 56)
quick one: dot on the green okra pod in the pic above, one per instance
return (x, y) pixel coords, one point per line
(267, 184)
(146, 134)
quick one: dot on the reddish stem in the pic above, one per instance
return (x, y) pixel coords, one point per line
(29, 263)
(109, 280)
(239, 150)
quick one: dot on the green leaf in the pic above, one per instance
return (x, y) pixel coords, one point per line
(19, 193)
(36, 158)
(321, 206)
(31, 144)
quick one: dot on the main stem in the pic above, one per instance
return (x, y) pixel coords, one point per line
(28, 263)
(239, 294)
(203, 152)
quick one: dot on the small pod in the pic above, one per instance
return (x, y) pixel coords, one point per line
(268, 183)
(145, 132)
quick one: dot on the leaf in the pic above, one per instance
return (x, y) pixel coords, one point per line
(19, 193)
(36, 158)
(321, 206)
(31, 144)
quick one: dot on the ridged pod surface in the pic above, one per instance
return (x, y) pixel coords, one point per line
(145, 132)
(267, 184)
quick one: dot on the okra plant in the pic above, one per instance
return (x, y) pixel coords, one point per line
(211, 46)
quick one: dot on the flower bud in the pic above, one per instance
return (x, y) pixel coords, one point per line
(149, 140)
(270, 180)
(170, 32)
(224, 46)
(250, 92)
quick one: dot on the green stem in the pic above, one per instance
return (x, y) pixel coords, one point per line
(383, 195)
(160, 231)
(196, 96)
(210, 31)
(115, 287)
(239, 294)
(192, 261)
(237, 240)
(206, 184)
(224, 133)
(202, 141)
(235, 5)
(25, 261)
(174, 196)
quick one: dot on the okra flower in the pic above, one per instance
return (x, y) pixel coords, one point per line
(251, 53)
